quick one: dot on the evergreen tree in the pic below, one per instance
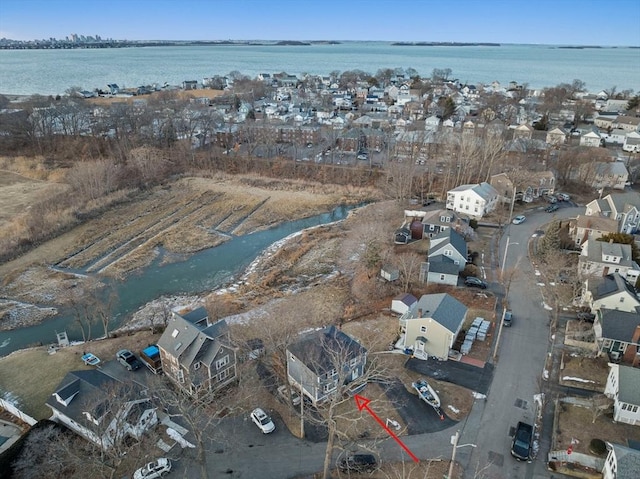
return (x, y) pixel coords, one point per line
(551, 239)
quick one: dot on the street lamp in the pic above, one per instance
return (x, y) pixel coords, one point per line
(454, 443)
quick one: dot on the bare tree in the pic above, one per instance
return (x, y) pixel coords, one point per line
(599, 405)
(337, 358)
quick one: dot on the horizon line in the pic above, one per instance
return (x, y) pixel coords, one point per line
(585, 45)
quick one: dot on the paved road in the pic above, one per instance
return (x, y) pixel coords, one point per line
(516, 379)
(519, 366)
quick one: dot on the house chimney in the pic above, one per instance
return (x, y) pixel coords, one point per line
(419, 312)
(610, 240)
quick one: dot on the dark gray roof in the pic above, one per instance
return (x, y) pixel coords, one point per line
(448, 236)
(318, 349)
(629, 385)
(406, 298)
(196, 316)
(443, 265)
(622, 202)
(610, 284)
(627, 462)
(598, 250)
(189, 341)
(618, 325)
(442, 308)
(89, 385)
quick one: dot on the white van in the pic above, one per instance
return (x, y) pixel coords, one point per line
(564, 196)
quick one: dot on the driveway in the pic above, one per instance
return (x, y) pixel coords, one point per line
(465, 375)
(419, 416)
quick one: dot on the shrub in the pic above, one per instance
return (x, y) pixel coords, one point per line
(597, 446)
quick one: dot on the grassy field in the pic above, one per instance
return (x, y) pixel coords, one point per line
(30, 376)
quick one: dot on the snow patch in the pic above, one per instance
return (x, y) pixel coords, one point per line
(545, 375)
(537, 273)
(578, 380)
(547, 307)
(456, 411)
(477, 395)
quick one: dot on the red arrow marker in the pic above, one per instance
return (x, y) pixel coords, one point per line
(363, 403)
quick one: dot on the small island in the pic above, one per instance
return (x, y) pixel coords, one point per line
(443, 44)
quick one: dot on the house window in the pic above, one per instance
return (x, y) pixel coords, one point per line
(448, 252)
(634, 409)
(606, 343)
(222, 375)
(220, 363)
(329, 387)
(622, 299)
(332, 373)
(180, 375)
(175, 333)
(423, 329)
(197, 365)
(353, 362)
(442, 277)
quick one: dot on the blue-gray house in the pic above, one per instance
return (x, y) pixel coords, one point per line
(324, 360)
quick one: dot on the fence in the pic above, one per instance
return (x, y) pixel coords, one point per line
(10, 408)
(592, 462)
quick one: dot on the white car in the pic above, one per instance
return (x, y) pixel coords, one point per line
(154, 469)
(262, 420)
(519, 219)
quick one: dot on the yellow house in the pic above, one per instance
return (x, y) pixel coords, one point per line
(431, 325)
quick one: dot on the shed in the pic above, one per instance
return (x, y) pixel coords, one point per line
(403, 302)
(389, 272)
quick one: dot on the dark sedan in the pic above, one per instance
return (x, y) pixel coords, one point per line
(474, 282)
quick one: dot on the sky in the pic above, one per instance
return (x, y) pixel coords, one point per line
(553, 22)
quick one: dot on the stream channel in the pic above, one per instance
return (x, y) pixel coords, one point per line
(204, 271)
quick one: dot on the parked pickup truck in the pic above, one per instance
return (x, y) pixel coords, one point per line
(151, 358)
(522, 439)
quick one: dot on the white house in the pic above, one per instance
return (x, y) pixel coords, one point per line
(611, 174)
(610, 292)
(473, 200)
(621, 463)
(600, 258)
(622, 207)
(100, 408)
(591, 139)
(623, 386)
(432, 123)
(632, 142)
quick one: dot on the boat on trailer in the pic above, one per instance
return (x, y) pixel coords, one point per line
(428, 395)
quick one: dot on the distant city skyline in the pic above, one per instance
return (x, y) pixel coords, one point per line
(559, 22)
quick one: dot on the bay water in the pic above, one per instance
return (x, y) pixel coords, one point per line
(52, 72)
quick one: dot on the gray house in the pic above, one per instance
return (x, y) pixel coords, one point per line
(617, 334)
(101, 409)
(320, 360)
(437, 221)
(197, 355)
(441, 270)
(448, 246)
